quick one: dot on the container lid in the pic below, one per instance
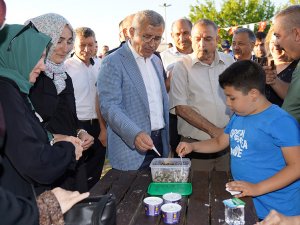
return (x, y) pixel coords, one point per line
(170, 163)
(171, 196)
(153, 201)
(170, 208)
(163, 188)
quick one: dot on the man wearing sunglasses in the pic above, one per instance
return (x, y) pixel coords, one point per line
(133, 98)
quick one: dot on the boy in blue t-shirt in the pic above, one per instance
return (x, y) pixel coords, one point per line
(264, 142)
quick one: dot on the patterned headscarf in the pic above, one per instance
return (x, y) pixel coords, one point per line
(53, 24)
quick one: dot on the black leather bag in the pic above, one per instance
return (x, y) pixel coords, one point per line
(100, 210)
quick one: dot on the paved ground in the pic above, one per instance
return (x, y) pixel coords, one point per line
(106, 167)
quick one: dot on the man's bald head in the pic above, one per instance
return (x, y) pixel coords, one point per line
(2, 12)
(124, 26)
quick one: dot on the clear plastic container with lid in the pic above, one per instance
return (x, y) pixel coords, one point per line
(170, 169)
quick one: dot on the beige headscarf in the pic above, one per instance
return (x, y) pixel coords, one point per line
(52, 25)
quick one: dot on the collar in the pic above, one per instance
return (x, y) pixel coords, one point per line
(92, 61)
(135, 54)
(218, 59)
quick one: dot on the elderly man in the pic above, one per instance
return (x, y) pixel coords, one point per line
(124, 26)
(287, 32)
(243, 42)
(133, 98)
(197, 97)
(181, 34)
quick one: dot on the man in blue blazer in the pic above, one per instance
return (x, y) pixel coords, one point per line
(133, 98)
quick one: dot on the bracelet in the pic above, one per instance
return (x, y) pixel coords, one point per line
(52, 142)
(80, 131)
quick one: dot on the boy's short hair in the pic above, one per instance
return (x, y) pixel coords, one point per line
(244, 75)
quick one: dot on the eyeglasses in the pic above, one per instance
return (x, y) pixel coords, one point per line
(28, 26)
(149, 38)
(3, 25)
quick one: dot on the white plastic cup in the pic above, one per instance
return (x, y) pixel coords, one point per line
(152, 206)
(171, 213)
(171, 198)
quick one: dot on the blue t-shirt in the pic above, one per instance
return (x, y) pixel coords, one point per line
(255, 143)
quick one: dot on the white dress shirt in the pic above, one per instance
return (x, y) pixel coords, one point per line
(153, 89)
(84, 81)
(170, 56)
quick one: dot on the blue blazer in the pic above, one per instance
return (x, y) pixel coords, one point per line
(124, 105)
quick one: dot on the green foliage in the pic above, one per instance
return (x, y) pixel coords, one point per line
(233, 13)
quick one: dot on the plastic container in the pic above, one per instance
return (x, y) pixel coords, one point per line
(170, 170)
(234, 211)
(171, 198)
(171, 213)
(163, 188)
(152, 206)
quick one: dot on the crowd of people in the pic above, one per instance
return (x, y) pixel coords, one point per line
(63, 109)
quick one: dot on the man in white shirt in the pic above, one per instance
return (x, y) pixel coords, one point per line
(181, 34)
(84, 69)
(133, 98)
(198, 99)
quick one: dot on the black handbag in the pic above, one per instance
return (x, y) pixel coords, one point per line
(100, 210)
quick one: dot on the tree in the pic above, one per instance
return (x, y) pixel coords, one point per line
(233, 13)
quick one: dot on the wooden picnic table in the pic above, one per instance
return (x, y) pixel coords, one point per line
(204, 206)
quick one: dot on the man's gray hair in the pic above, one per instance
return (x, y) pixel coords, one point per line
(85, 32)
(291, 14)
(250, 33)
(206, 22)
(186, 20)
(153, 18)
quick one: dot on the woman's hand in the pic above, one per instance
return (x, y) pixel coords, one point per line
(86, 139)
(67, 199)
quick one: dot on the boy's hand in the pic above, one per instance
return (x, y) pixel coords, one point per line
(246, 188)
(184, 148)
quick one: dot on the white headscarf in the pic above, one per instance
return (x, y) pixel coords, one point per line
(53, 25)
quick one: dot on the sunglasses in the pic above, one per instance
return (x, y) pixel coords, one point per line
(25, 28)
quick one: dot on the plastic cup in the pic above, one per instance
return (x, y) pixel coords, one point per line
(234, 214)
(152, 206)
(171, 213)
(172, 198)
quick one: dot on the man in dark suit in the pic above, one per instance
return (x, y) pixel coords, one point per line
(134, 100)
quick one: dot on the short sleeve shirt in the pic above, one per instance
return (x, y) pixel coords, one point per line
(197, 85)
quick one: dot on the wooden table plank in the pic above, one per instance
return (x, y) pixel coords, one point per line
(198, 205)
(131, 209)
(120, 186)
(218, 194)
(104, 185)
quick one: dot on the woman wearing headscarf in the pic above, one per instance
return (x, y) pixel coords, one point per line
(53, 94)
(28, 158)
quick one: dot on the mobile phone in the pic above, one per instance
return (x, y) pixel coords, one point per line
(271, 63)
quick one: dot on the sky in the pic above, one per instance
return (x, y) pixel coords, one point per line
(103, 16)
